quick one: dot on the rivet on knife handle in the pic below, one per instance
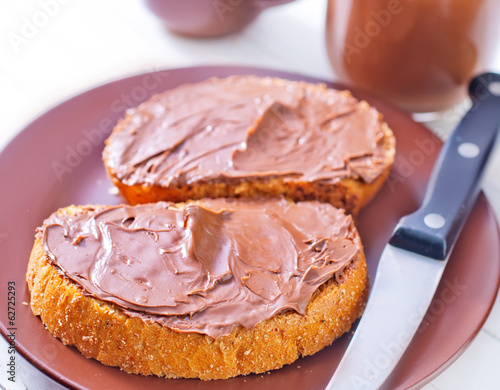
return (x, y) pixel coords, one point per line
(454, 183)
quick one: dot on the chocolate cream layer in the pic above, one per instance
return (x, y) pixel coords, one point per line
(204, 267)
(247, 127)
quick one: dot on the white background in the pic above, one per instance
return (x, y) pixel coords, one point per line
(85, 43)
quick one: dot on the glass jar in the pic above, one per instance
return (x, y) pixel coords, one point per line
(419, 54)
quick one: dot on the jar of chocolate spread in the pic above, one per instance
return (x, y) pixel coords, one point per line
(419, 54)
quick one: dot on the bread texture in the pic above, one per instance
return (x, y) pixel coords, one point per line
(102, 331)
(350, 192)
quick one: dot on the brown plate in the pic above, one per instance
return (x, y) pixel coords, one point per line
(56, 161)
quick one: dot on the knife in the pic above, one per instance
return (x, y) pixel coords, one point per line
(413, 261)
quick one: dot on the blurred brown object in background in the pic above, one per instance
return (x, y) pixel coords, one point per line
(417, 54)
(209, 18)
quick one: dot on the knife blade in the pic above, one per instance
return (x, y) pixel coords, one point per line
(412, 263)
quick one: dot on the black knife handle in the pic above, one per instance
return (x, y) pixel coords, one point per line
(454, 183)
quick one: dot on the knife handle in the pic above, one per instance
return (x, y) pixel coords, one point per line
(454, 183)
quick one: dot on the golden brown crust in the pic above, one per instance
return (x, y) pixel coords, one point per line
(102, 331)
(350, 194)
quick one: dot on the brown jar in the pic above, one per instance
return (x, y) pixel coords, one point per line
(419, 54)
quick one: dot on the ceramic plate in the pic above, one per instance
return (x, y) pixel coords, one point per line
(56, 161)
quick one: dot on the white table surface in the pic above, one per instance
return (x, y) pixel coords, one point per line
(82, 44)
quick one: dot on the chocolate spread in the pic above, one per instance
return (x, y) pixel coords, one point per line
(247, 127)
(206, 267)
(420, 54)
